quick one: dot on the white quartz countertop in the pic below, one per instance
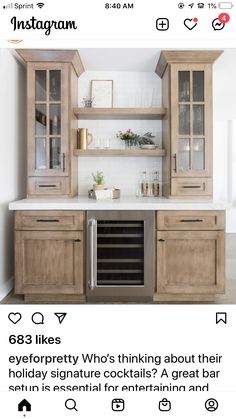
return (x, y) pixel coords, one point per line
(124, 203)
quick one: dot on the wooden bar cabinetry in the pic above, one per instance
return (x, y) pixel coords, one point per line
(187, 124)
(50, 258)
(49, 253)
(52, 93)
(190, 261)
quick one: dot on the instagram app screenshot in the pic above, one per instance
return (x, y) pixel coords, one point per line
(117, 209)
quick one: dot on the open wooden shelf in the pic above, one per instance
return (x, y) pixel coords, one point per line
(122, 152)
(119, 113)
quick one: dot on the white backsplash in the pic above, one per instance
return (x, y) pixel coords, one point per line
(120, 172)
(131, 89)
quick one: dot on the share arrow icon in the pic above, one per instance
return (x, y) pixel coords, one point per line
(60, 316)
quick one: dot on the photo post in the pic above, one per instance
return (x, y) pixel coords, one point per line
(117, 209)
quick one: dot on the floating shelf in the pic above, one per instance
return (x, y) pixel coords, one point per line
(119, 113)
(122, 152)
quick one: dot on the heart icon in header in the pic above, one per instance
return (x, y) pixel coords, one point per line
(191, 23)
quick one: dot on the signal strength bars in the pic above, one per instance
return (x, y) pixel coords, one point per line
(25, 6)
(8, 6)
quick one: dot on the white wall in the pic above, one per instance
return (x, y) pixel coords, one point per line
(224, 88)
(131, 89)
(12, 157)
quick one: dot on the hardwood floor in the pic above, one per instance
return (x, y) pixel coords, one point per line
(228, 298)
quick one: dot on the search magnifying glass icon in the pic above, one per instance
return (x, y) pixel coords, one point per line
(71, 404)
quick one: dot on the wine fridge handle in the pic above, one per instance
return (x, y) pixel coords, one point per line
(93, 252)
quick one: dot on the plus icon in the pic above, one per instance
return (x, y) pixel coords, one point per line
(162, 24)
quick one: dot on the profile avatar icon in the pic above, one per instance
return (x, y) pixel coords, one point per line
(211, 405)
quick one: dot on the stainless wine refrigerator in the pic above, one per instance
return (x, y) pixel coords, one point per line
(120, 255)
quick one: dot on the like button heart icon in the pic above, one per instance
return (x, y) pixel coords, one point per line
(191, 23)
(14, 317)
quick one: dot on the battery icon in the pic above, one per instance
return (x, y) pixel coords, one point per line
(225, 5)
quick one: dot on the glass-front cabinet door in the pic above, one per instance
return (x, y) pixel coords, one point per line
(49, 119)
(191, 120)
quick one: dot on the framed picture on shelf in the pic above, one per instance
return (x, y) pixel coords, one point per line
(102, 93)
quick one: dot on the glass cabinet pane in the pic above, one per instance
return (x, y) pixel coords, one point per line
(198, 120)
(40, 85)
(55, 119)
(198, 86)
(198, 162)
(55, 85)
(48, 120)
(184, 86)
(184, 119)
(40, 153)
(40, 120)
(55, 153)
(183, 160)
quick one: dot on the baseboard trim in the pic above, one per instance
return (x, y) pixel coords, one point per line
(6, 288)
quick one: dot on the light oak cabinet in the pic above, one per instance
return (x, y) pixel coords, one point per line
(49, 253)
(190, 254)
(187, 125)
(52, 92)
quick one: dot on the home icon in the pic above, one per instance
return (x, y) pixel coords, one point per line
(24, 404)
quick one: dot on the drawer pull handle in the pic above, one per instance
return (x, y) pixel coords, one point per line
(161, 240)
(63, 162)
(191, 187)
(77, 241)
(47, 186)
(175, 161)
(192, 221)
(48, 221)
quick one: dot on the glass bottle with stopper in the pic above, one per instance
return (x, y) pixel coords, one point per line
(144, 184)
(156, 184)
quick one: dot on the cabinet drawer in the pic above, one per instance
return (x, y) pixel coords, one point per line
(191, 187)
(49, 220)
(52, 186)
(190, 220)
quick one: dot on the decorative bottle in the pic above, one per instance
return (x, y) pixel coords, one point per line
(156, 184)
(144, 184)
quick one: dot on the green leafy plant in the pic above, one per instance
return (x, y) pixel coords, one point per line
(134, 139)
(98, 178)
(146, 138)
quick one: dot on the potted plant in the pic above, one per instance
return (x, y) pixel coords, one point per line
(145, 141)
(129, 137)
(98, 178)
